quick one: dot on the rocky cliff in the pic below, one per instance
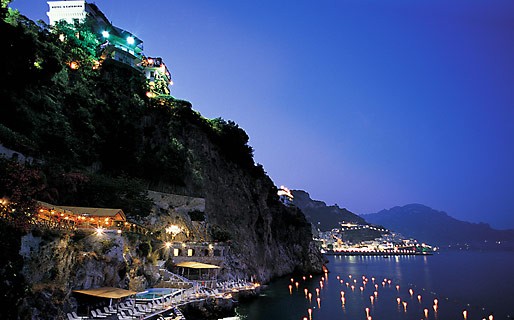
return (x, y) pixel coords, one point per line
(268, 238)
(57, 262)
(322, 216)
(100, 142)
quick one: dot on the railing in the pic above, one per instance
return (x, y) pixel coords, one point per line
(173, 280)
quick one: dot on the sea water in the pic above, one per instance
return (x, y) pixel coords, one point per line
(476, 284)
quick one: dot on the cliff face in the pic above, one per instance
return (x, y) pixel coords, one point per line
(320, 215)
(55, 263)
(96, 133)
(268, 239)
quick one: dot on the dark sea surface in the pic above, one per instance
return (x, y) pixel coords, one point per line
(482, 283)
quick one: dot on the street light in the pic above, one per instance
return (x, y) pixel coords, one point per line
(173, 230)
(99, 231)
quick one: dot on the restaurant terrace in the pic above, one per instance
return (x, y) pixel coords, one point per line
(68, 217)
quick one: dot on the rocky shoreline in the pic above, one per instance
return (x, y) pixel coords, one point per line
(213, 308)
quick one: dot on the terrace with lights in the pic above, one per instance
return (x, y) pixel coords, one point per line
(184, 261)
(183, 238)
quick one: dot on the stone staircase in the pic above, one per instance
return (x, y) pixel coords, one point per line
(173, 280)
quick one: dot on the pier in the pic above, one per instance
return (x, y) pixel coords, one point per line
(376, 253)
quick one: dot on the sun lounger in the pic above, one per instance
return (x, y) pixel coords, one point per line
(142, 308)
(109, 310)
(96, 315)
(134, 313)
(74, 314)
(126, 313)
(74, 317)
(101, 313)
(125, 306)
(122, 316)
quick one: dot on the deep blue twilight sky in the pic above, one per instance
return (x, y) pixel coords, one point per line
(367, 104)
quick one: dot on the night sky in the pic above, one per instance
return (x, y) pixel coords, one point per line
(367, 104)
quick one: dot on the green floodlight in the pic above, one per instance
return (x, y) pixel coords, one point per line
(130, 40)
(105, 34)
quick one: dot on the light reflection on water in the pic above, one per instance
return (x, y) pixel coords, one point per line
(480, 283)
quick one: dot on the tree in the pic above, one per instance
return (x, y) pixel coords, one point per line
(18, 186)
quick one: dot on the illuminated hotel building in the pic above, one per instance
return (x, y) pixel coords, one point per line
(117, 44)
(120, 45)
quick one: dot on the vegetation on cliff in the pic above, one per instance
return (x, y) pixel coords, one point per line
(98, 140)
(89, 119)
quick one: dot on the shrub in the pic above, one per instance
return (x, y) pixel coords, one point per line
(220, 235)
(144, 249)
(197, 215)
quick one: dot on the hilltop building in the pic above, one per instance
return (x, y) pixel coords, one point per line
(158, 75)
(117, 44)
(70, 11)
(285, 196)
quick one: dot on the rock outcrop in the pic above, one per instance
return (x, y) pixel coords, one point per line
(323, 217)
(98, 133)
(240, 207)
(267, 238)
(55, 263)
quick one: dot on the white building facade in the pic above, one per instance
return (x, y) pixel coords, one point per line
(68, 11)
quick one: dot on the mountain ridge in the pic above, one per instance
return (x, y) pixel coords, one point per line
(438, 227)
(320, 214)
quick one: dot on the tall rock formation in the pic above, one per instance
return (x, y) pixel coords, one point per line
(268, 239)
(99, 141)
(322, 216)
